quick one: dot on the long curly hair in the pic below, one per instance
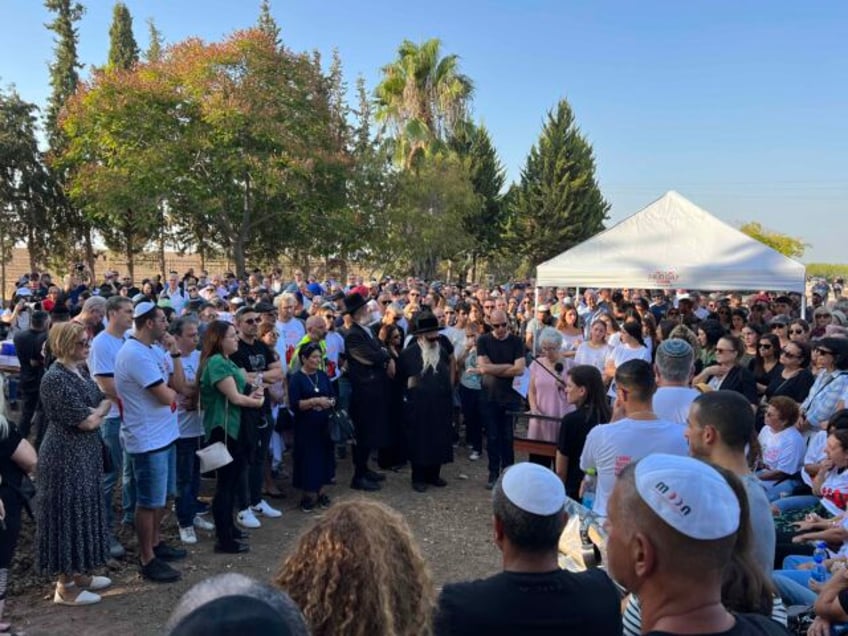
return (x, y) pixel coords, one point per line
(358, 572)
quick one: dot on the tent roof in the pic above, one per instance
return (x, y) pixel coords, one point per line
(673, 243)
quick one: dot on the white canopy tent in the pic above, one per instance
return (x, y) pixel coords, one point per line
(672, 243)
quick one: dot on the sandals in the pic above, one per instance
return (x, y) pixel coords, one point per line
(83, 598)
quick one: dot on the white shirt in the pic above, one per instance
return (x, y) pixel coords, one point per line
(291, 333)
(147, 424)
(101, 361)
(189, 421)
(621, 354)
(814, 454)
(834, 492)
(335, 347)
(783, 450)
(672, 402)
(611, 447)
(595, 356)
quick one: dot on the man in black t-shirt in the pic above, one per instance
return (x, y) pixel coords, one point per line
(28, 347)
(255, 357)
(532, 595)
(500, 358)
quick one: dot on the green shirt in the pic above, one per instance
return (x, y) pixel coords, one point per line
(214, 403)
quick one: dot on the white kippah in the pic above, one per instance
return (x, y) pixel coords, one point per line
(143, 308)
(534, 488)
(689, 495)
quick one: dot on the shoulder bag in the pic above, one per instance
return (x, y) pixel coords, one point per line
(214, 456)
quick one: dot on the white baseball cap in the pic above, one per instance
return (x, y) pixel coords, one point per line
(689, 495)
(534, 489)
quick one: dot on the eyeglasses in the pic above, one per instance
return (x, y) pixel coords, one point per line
(788, 354)
(385, 303)
(779, 327)
(796, 332)
(498, 325)
(827, 316)
(823, 352)
(488, 306)
(764, 345)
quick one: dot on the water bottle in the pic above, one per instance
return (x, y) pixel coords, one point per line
(819, 572)
(590, 482)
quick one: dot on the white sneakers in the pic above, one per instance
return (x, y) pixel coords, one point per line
(204, 524)
(246, 519)
(265, 510)
(85, 597)
(188, 536)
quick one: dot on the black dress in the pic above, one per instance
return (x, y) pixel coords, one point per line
(314, 463)
(71, 533)
(572, 438)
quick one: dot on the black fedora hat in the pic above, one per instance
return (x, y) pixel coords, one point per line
(352, 302)
(425, 322)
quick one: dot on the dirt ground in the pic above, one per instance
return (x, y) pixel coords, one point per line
(452, 525)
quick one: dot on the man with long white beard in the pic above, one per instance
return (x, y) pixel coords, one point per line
(427, 371)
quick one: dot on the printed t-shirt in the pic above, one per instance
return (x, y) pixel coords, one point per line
(783, 450)
(611, 447)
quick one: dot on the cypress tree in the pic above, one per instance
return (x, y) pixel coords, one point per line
(154, 48)
(123, 50)
(557, 203)
(266, 22)
(63, 71)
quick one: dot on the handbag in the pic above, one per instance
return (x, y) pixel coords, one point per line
(340, 426)
(214, 456)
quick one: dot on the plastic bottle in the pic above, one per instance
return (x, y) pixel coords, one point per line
(590, 482)
(819, 572)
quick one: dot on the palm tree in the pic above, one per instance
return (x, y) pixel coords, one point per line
(421, 99)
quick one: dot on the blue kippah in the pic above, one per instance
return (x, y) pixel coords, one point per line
(675, 348)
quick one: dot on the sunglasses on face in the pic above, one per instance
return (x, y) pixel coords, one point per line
(789, 354)
(796, 332)
(764, 345)
(778, 327)
(498, 325)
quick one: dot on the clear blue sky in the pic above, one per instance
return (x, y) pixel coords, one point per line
(740, 106)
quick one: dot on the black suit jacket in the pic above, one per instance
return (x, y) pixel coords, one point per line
(370, 385)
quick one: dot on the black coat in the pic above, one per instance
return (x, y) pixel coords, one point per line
(428, 405)
(370, 387)
(742, 381)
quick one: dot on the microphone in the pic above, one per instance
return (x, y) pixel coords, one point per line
(558, 367)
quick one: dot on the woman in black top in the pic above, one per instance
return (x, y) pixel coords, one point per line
(766, 365)
(795, 378)
(584, 388)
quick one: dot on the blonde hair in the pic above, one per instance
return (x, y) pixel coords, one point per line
(359, 572)
(63, 338)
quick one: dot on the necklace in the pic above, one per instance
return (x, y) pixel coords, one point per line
(633, 416)
(314, 382)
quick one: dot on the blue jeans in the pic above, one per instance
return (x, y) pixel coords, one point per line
(498, 434)
(470, 399)
(188, 480)
(152, 472)
(110, 432)
(798, 502)
(128, 492)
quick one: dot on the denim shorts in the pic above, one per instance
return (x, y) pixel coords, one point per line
(153, 476)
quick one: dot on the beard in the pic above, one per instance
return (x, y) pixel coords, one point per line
(430, 354)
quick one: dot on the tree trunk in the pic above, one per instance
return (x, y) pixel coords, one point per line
(3, 266)
(241, 239)
(90, 256)
(162, 265)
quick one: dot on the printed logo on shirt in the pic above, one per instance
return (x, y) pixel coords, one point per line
(622, 462)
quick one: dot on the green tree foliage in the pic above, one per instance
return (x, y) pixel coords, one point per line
(427, 218)
(71, 226)
(487, 175)
(557, 203)
(26, 189)
(267, 24)
(421, 100)
(154, 48)
(63, 71)
(828, 270)
(123, 50)
(787, 245)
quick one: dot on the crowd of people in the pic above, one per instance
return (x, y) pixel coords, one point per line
(121, 386)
